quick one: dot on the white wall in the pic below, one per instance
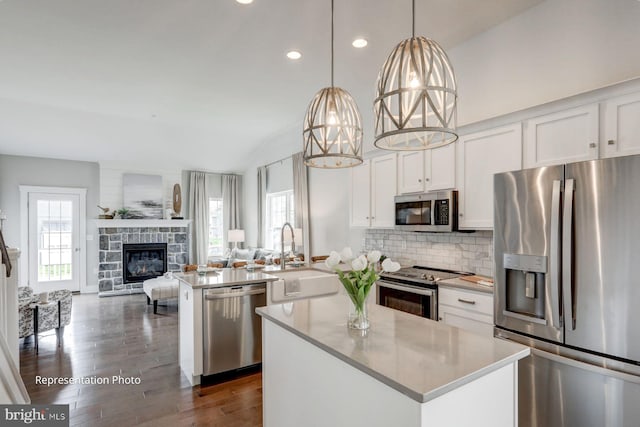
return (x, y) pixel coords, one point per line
(554, 50)
(19, 170)
(111, 182)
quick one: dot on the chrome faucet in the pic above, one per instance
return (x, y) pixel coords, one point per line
(293, 237)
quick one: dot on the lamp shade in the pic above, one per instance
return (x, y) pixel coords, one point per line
(235, 236)
(332, 130)
(415, 106)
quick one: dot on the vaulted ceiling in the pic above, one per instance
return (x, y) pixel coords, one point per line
(202, 83)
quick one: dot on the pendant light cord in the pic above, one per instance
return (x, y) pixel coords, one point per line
(413, 16)
(331, 43)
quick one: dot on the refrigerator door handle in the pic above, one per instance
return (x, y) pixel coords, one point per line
(567, 250)
(554, 255)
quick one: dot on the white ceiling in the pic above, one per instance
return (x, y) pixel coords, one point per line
(202, 83)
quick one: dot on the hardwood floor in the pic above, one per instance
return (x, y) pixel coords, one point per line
(120, 336)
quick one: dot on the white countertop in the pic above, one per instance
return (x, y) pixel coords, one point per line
(421, 358)
(224, 277)
(464, 284)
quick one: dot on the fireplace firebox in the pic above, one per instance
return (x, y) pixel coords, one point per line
(142, 261)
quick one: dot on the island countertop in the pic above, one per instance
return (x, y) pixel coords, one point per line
(420, 358)
(224, 277)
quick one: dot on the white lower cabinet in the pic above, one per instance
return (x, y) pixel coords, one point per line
(466, 309)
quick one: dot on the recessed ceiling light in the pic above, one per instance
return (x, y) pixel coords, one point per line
(245, 1)
(294, 54)
(359, 43)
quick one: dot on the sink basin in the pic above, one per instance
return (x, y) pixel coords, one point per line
(299, 284)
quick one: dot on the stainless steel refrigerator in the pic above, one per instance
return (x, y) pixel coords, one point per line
(567, 243)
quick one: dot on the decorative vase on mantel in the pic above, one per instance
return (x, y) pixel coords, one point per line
(358, 281)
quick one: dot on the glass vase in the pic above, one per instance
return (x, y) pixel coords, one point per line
(358, 315)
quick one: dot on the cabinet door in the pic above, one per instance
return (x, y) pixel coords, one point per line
(440, 168)
(464, 309)
(562, 137)
(411, 172)
(383, 190)
(466, 320)
(360, 195)
(622, 126)
(480, 156)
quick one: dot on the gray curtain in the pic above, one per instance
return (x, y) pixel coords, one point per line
(199, 211)
(262, 203)
(231, 200)
(301, 200)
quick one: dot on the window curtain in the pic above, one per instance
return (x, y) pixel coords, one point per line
(262, 204)
(301, 200)
(199, 210)
(231, 197)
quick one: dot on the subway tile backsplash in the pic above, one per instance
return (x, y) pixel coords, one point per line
(471, 252)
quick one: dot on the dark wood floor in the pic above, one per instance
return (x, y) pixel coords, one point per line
(121, 336)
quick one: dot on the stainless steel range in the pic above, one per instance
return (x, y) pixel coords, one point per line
(413, 289)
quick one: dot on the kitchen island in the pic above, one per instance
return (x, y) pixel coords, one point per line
(191, 327)
(404, 371)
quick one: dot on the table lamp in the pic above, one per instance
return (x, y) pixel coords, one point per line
(235, 236)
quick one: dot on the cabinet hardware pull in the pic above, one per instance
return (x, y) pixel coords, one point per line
(466, 301)
(366, 217)
(592, 145)
(419, 180)
(461, 214)
(426, 179)
(611, 142)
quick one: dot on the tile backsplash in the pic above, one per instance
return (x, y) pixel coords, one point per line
(471, 252)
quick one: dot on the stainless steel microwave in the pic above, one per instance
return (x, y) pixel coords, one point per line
(435, 211)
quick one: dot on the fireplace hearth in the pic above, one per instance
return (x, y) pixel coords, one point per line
(143, 261)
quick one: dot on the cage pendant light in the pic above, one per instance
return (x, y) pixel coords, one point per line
(415, 106)
(332, 129)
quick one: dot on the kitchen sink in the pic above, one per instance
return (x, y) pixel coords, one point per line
(299, 284)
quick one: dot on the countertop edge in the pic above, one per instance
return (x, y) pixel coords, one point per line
(458, 283)
(264, 278)
(418, 397)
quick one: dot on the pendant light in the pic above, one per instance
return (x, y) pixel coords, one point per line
(332, 127)
(415, 105)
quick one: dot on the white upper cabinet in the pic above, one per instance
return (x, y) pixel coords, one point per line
(480, 156)
(361, 194)
(410, 172)
(373, 187)
(622, 126)
(383, 190)
(427, 170)
(440, 168)
(563, 137)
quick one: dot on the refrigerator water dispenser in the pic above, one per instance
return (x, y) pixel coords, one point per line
(525, 284)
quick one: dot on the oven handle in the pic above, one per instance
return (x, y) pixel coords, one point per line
(425, 292)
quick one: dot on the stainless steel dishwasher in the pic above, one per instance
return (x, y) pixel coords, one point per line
(232, 329)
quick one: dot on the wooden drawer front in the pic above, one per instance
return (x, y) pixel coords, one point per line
(466, 300)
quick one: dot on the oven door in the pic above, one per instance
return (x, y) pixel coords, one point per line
(422, 302)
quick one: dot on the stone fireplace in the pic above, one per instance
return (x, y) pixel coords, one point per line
(142, 261)
(117, 275)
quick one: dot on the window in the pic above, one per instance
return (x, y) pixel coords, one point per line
(280, 209)
(216, 246)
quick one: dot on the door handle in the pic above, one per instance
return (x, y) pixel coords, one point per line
(567, 251)
(554, 255)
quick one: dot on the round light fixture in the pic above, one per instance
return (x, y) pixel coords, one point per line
(245, 1)
(359, 43)
(294, 54)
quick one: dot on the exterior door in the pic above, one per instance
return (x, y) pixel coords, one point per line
(54, 241)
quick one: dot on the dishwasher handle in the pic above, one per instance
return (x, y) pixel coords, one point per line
(234, 294)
